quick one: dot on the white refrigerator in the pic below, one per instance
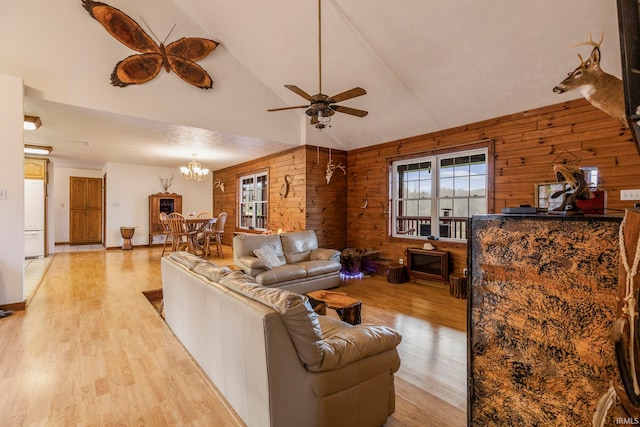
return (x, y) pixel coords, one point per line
(34, 202)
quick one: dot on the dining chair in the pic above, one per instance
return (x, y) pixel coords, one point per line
(166, 231)
(215, 235)
(202, 234)
(181, 236)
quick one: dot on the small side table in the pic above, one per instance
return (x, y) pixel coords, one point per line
(458, 287)
(127, 235)
(348, 308)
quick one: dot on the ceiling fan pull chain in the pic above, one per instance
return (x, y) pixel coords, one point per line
(321, 107)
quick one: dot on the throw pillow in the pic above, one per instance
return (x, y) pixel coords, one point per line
(268, 255)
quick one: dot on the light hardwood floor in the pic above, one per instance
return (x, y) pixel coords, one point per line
(90, 350)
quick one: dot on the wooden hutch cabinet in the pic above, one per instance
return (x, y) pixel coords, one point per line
(161, 202)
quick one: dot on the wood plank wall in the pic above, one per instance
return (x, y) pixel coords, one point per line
(327, 203)
(525, 145)
(310, 204)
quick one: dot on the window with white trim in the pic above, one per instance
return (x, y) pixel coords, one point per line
(253, 201)
(436, 195)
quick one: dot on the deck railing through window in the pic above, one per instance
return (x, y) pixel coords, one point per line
(449, 227)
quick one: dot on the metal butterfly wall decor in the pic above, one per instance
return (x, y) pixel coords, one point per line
(179, 56)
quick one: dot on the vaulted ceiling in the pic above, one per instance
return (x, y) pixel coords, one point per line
(426, 65)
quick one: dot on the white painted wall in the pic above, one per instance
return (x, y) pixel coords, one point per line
(127, 198)
(12, 184)
(51, 203)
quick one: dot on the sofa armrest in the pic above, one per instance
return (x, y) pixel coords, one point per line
(343, 343)
(251, 265)
(324, 254)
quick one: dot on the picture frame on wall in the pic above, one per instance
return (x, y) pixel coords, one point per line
(543, 192)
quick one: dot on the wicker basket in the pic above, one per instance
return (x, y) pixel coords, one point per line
(458, 286)
(397, 273)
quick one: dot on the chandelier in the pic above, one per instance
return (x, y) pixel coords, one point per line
(194, 170)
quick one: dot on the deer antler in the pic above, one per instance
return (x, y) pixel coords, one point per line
(166, 183)
(331, 168)
(218, 184)
(590, 42)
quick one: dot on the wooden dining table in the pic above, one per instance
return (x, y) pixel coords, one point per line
(196, 225)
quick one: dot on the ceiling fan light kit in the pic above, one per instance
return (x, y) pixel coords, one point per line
(321, 106)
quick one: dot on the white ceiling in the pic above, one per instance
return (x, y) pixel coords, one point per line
(426, 65)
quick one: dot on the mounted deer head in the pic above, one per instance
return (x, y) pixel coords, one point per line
(602, 90)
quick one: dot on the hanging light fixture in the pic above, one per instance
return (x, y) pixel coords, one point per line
(194, 170)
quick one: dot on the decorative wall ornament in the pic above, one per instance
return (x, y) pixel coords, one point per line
(576, 187)
(284, 190)
(166, 183)
(601, 89)
(218, 184)
(331, 168)
(179, 56)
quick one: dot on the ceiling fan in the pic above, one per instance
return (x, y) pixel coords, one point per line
(321, 106)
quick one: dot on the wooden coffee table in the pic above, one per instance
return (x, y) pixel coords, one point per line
(348, 308)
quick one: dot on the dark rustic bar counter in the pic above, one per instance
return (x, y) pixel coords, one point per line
(542, 299)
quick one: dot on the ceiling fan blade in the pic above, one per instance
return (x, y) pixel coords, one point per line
(351, 93)
(347, 110)
(288, 108)
(300, 92)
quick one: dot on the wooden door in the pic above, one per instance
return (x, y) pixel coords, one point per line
(77, 190)
(77, 225)
(85, 215)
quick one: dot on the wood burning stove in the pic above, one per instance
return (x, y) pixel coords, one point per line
(428, 264)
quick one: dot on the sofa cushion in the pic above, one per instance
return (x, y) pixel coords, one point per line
(323, 253)
(297, 245)
(316, 268)
(269, 257)
(343, 343)
(283, 273)
(187, 259)
(298, 316)
(211, 271)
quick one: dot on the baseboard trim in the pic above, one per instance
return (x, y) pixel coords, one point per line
(153, 295)
(16, 306)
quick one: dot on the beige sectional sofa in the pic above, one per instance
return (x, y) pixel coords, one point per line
(299, 265)
(271, 356)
